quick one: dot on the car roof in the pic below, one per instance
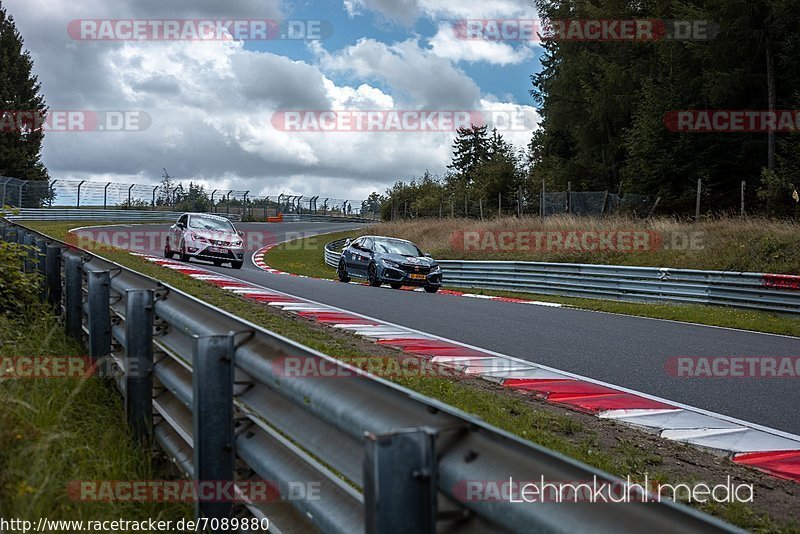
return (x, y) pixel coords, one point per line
(385, 238)
(208, 216)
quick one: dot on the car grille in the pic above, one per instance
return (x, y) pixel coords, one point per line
(416, 269)
(220, 243)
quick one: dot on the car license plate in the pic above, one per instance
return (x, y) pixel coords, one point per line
(218, 250)
(417, 276)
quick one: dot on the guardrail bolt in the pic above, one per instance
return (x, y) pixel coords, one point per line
(139, 362)
(212, 417)
(400, 482)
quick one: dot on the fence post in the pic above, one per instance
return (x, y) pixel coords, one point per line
(212, 417)
(99, 285)
(519, 201)
(53, 276)
(541, 204)
(78, 198)
(697, 203)
(139, 362)
(105, 196)
(569, 197)
(400, 482)
(21, 188)
(499, 204)
(452, 208)
(480, 207)
(605, 203)
(744, 184)
(73, 295)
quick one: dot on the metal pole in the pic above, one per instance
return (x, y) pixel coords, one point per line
(541, 204)
(3, 203)
(452, 209)
(78, 200)
(139, 362)
(23, 187)
(465, 207)
(212, 417)
(105, 196)
(569, 197)
(53, 276)
(213, 208)
(697, 204)
(519, 201)
(499, 204)
(480, 207)
(98, 285)
(743, 188)
(73, 296)
(129, 195)
(400, 482)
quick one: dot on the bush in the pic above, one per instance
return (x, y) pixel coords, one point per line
(776, 194)
(18, 290)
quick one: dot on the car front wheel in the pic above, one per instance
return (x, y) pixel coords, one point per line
(183, 255)
(431, 289)
(236, 264)
(396, 285)
(372, 276)
(341, 272)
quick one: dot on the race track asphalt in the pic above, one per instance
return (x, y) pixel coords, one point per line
(626, 351)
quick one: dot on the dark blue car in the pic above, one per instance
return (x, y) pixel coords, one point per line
(386, 260)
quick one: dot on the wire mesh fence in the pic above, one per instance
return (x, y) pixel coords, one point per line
(16, 193)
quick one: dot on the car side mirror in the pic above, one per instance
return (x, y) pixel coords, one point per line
(181, 226)
(426, 255)
(347, 242)
(240, 233)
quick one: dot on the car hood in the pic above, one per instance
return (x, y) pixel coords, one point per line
(216, 235)
(422, 261)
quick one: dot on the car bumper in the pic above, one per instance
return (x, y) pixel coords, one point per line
(396, 276)
(202, 251)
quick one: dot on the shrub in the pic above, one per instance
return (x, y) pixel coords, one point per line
(18, 290)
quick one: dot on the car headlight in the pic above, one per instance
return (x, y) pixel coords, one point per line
(390, 264)
(237, 243)
(196, 237)
(436, 268)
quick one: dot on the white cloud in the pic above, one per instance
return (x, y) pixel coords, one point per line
(212, 103)
(407, 11)
(429, 80)
(447, 44)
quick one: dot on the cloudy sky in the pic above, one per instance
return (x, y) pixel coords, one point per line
(213, 103)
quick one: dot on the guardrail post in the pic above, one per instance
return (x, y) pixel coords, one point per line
(139, 362)
(41, 252)
(30, 261)
(400, 482)
(99, 287)
(52, 276)
(73, 296)
(212, 417)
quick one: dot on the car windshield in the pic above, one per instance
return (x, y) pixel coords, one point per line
(207, 223)
(397, 247)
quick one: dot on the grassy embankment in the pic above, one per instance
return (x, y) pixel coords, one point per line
(54, 431)
(604, 444)
(720, 244)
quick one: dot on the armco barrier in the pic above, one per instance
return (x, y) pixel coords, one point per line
(767, 292)
(204, 384)
(60, 214)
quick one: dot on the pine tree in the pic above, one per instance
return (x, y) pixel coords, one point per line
(470, 149)
(20, 147)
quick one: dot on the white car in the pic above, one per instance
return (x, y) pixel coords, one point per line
(205, 237)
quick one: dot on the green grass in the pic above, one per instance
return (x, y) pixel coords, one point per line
(554, 429)
(56, 431)
(305, 256)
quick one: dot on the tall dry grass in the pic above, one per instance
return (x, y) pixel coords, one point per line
(724, 243)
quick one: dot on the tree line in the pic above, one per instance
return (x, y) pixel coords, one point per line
(604, 104)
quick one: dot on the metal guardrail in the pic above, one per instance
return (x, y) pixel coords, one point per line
(774, 293)
(205, 385)
(82, 214)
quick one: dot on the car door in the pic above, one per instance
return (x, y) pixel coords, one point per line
(177, 231)
(357, 257)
